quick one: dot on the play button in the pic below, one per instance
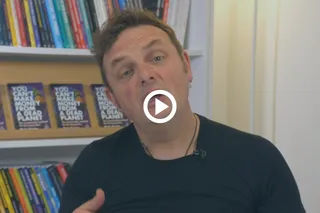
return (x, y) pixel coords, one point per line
(159, 106)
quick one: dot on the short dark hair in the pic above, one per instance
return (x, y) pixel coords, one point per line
(121, 21)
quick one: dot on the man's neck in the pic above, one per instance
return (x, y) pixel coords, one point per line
(170, 140)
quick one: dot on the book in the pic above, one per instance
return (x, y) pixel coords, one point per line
(29, 187)
(3, 125)
(107, 113)
(29, 106)
(71, 23)
(70, 106)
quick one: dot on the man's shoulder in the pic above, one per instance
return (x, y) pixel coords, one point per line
(113, 140)
(106, 146)
(237, 148)
(236, 139)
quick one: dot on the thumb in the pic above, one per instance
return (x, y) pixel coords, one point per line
(95, 203)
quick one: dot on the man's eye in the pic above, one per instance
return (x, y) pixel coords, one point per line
(126, 73)
(158, 58)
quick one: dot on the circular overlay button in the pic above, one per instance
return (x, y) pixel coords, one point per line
(159, 106)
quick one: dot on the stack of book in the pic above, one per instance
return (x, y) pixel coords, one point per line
(32, 188)
(71, 23)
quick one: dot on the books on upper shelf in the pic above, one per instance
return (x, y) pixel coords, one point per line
(29, 107)
(71, 23)
(32, 188)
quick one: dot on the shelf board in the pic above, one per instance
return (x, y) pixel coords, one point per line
(52, 137)
(60, 142)
(64, 54)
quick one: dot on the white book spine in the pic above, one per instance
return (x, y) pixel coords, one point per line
(104, 10)
(98, 12)
(182, 20)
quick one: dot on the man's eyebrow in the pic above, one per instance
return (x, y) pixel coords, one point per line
(115, 61)
(151, 43)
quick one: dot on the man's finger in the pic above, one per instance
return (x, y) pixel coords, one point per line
(95, 203)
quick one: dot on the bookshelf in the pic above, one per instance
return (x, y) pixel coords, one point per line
(198, 43)
(58, 54)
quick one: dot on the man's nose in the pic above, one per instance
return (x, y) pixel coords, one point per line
(146, 73)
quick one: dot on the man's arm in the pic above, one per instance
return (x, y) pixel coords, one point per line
(281, 193)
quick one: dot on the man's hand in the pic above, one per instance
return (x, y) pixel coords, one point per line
(93, 205)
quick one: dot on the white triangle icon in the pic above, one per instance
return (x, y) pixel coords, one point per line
(160, 106)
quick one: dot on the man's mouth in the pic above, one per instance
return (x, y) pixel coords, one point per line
(153, 97)
(159, 96)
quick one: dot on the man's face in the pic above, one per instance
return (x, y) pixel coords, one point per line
(144, 59)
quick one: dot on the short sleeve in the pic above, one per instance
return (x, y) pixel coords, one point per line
(77, 188)
(281, 193)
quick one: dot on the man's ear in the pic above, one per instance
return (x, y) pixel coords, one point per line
(111, 97)
(186, 61)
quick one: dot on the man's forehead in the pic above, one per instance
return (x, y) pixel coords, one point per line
(138, 36)
(120, 56)
(142, 30)
(128, 41)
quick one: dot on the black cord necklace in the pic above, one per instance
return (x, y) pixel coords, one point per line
(191, 142)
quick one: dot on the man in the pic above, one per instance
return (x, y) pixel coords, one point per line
(189, 164)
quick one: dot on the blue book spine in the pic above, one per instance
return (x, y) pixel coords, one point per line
(32, 190)
(6, 23)
(2, 32)
(122, 4)
(66, 23)
(41, 20)
(57, 8)
(54, 24)
(27, 188)
(34, 24)
(51, 187)
(46, 21)
(85, 23)
(45, 189)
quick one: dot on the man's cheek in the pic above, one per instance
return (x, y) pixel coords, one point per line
(129, 94)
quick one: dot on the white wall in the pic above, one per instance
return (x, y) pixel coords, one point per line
(287, 76)
(297, 112)
(231, 64)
